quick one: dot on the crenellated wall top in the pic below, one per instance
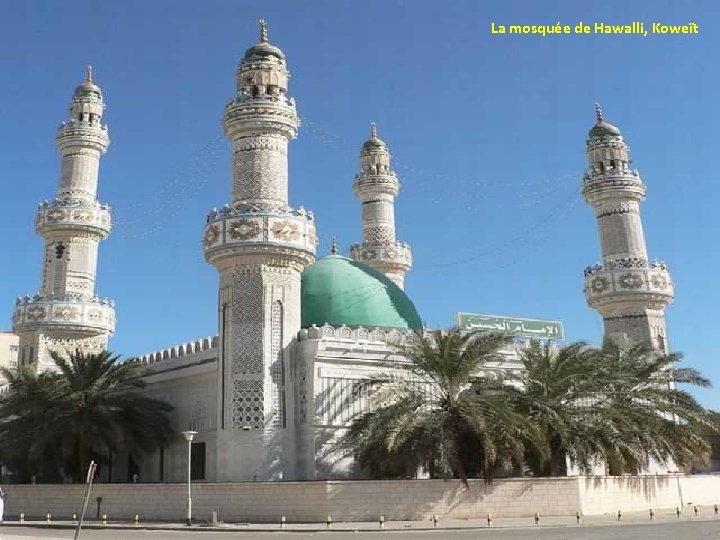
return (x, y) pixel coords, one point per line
(392, 336)
(178, 351)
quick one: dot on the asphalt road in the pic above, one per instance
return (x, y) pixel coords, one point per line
(700, 530)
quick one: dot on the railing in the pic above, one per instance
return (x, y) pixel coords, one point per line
(626, 262)
(243, 208)
(69, 297)
(596, 176)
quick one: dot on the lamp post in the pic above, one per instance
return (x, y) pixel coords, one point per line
(189, 435)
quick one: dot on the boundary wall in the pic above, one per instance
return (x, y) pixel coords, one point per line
(365, 500)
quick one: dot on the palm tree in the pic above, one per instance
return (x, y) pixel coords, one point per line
(436, 412)
(90, 406)
(651, 416)
(616, 406)
(555, 387)
(26, 423)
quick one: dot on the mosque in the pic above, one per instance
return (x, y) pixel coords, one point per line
(270, 394)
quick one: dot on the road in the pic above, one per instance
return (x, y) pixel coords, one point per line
(699, 530)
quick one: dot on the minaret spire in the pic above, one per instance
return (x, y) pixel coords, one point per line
(376, 185)
(66, 315)
(628, 289)
(334, 247)
(88, 74)
(263, 31)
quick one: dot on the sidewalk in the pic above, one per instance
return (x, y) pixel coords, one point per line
(661, 516)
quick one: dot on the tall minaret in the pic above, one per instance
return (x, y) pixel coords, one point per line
(628, 290)
(259, 245)
(376, 185)
(66, 315)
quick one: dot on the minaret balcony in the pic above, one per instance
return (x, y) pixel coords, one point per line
(609, 184)
(83, 316)
(397, 254)
(75, 215)
(75, 133)
(372, 184)
(260, 228)
(249, 116)
(629, 281)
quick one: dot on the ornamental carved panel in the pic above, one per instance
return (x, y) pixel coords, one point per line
(247, 399)
(244, 229)
(56, 215)
(247, 324)
(659, 282)
(630, 281)
(599, 284)
(285, 230)
(35, 313)
(66, 313)
(212, 234)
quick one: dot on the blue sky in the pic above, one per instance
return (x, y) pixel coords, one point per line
(487, 134)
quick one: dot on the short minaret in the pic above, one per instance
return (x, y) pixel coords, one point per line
(630, 291)
(66, 315)
(260, 245)
(376, 185)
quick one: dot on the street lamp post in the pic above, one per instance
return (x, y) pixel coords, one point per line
(189, 435)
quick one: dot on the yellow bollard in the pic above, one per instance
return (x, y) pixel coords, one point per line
(489, 520)
(382, 522)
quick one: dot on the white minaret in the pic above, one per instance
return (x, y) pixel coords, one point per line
(66, 315)
(376, 185)
(260, 246)
(628, 290)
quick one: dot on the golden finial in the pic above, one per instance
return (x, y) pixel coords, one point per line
(598, 112)
(373, 130)
(263, 31)
(88, 74)
(334, 247)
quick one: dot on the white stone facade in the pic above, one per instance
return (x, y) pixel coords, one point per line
(377, 185)
(66, 314)
(8, 352)
(324, 386)
(260, 245)
(269, 400)
(630, 291)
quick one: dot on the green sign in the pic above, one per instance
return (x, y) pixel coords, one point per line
(532, 328)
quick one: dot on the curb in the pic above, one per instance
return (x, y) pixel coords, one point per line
(238, 528)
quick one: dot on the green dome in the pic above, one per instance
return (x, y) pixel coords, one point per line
(603, 129)
(87, 89)
(373, 143)
(340, 291)
(264, 49)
